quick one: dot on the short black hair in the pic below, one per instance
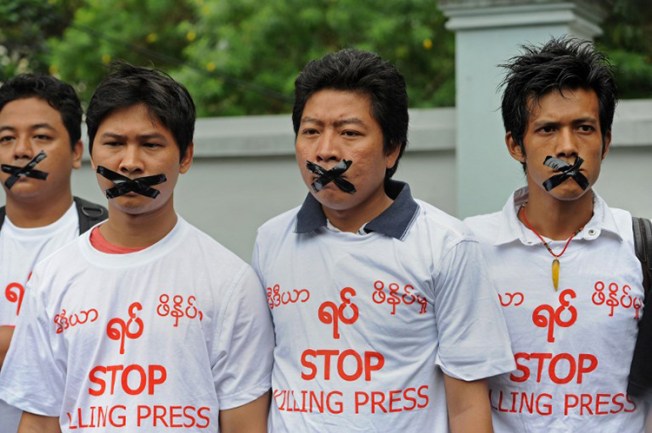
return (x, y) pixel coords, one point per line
(59, 95)
(560, 64)
(127, 85)
(367, 73)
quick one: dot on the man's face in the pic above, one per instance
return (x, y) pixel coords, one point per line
(338, 125)
(132, 142)
(564, 126)
(28, 126)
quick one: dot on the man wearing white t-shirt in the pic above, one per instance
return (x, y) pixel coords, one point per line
(40, 145)
(384, 317)
(144, 323)
(563, 261)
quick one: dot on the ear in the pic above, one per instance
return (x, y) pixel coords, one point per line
(606, 144)
(514, 149)
(392, 157)
(186, 161)
(77, 152)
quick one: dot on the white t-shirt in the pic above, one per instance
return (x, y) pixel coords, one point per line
(365, 324)
(157, 340)
(573, 346)
(20, 249)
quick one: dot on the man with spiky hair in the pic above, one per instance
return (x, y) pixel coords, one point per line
(562, 260)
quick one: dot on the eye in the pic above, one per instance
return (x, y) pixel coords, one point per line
(586, 128)
(6, 138)
(152, 145)
(309, 131)
(351, 133)
(546, 129)
(42, 137)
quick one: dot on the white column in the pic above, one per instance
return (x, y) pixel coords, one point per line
(488, 33)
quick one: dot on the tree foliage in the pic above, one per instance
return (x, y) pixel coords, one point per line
(627, 41)
(25, 26)
(242, 56)
(144, 32)
(253, 50)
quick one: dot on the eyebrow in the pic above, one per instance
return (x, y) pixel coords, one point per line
(585, 119)
(31, 127)
(42, 125)
(337, 123)
(115, 135)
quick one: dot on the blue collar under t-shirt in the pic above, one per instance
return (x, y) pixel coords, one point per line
(394, 221)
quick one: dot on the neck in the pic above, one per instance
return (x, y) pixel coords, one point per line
(138, 231)
(556, 219)
(350, 220)
(37, 213)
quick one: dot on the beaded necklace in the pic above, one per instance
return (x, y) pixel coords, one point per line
(555, 261)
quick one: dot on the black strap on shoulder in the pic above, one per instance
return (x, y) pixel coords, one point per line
(643, 247)
(89, 214)
(640, 373)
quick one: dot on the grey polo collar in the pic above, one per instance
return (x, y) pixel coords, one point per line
(394, 221)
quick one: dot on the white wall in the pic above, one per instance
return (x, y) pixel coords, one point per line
(244, 170)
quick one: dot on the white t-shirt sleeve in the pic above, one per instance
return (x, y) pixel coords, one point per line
(255, 259)
(473, 338)
(32, 378)
(244, 350)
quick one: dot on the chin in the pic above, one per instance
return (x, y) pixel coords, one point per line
(570, 194)
(336, 205)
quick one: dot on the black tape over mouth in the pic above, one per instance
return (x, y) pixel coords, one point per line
(25, 171)
(566, 171)
(332, 175)
(124, 185)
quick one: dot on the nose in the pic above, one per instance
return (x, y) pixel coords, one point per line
(328, 148)
(131, 161)
(23, 148)
(567, 143)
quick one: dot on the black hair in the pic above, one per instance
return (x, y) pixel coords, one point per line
(364, 72)
(127, 85)
(559, 64)
(59, 95)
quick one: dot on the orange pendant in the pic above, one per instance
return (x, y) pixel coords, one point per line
(555, 274)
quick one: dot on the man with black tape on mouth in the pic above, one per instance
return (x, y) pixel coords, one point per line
(367, 285)
(145, 316)
(40, 146)
(563, 261)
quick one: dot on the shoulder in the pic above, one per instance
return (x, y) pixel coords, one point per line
(64, 262)
(439, 223)
(484, 225)
(622, 217)
(284, 219)
(279, 225)
(200, 244)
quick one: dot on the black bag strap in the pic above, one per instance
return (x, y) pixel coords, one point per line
(640, 372)
(89, 213)
(643, 247)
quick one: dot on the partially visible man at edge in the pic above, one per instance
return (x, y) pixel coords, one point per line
(40, 145)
